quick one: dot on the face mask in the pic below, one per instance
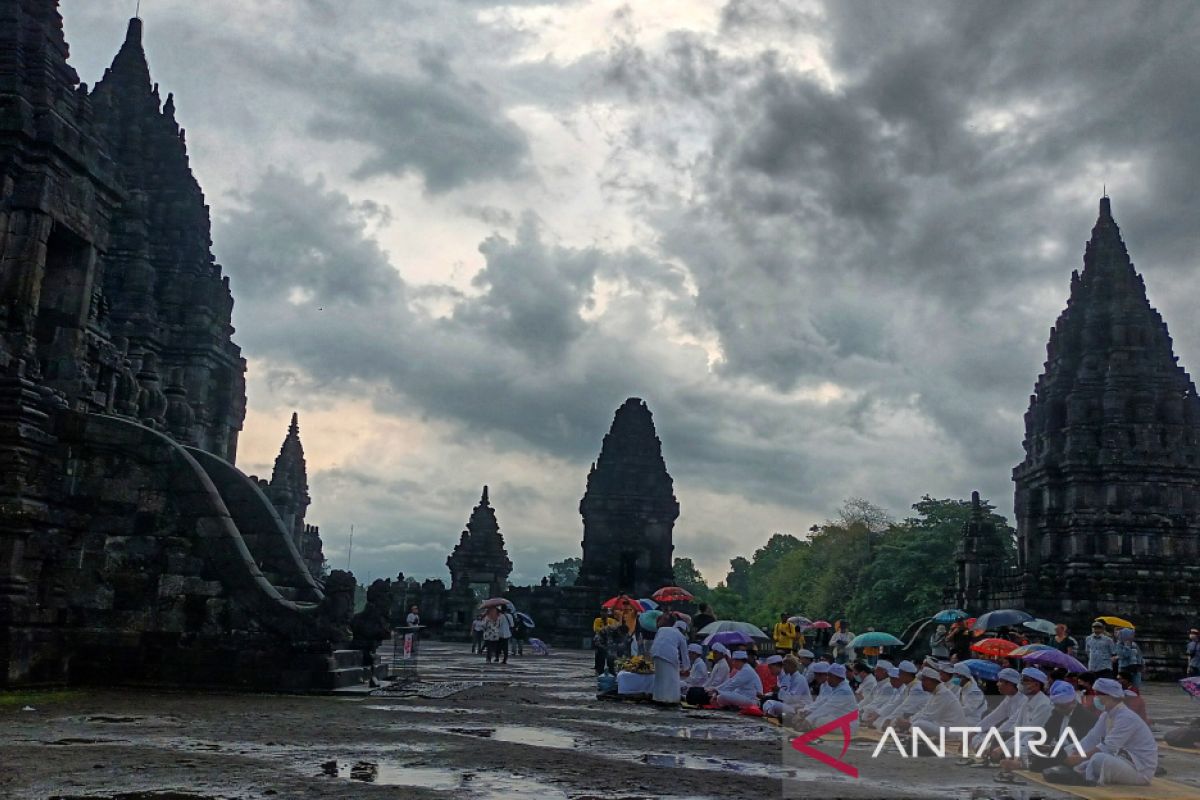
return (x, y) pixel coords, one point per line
(1099, 706)
(957, 681)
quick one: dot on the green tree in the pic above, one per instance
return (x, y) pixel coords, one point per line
(566, 571)
(688, 577)
(738, 579)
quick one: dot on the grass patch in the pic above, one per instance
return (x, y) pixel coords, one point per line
(36, 698)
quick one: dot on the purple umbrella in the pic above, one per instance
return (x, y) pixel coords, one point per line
(1055, 658)
(728, 638)
(1191, 686)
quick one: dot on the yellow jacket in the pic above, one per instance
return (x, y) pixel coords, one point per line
(785, 634)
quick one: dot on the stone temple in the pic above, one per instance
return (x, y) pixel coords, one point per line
(131, 548)
(1108, 496)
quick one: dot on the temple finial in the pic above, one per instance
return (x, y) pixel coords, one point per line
(133, 35)
(1105, 207)
(294, 428)
(484, 499)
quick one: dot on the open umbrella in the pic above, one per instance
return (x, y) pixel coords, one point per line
(648, 604)
(980, 668)
(1116, 622)
(648, 620)
(728, 638)
(494, 602)
(820, 624)
(680, 615)
(799, 621)
(1004, 616)
(1055, 658)
(949, 615)
(528, 620)
(672, 594)
(875, 639)
(622, 601)
(1040, 625)
(1190, 685)
(1025, 649)
(994, 647)
(723, 625)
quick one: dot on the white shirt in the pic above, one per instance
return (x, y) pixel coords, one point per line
(744, 682)
(671, 646)
(882, 695)
(912, 702)
(865, 688)
(973, 702)
(1003, 715)
(718, 675)
(413, 619)
(698, 675)
(793, 689)
(505, 626)
(942, 709)
(1122, 730)
(1033, 714)
(837, 702)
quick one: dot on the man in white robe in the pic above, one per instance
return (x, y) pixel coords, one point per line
(1033, 714)
(884, 700)
(670, 654)
(791, 694)
(1004, 715)
(1119, 749)
(969, 694)
(909, 702)
(836, 700)
(866, 680)
(882, 688)
(698, 672)
(942, 710)
(720, 669)
(819, 680)
(807, 659)
(742, 689)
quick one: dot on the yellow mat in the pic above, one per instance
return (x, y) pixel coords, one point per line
(1191, 751)
(1159, 789)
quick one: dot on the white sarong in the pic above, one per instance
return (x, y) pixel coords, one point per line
(666, 681)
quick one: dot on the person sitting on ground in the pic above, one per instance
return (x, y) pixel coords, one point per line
(1003, 716)
(721, 668)
(807, 659)
(970, 695)
(1119, 749)
(866, 680)
(784, 635)
(1064, 716)
(875, 711)
(836, 702)
(743, 688)
(941, 711)
(768, 672)
(792, 693)
(1034, 713)
(909, 702)
(882, 691)
(698, 671)
(820, 673)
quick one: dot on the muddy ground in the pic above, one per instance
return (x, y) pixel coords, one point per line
(532, 729)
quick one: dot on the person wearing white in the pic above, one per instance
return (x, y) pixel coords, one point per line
(884, 700)
(1119, 749)
(743, 687)
(866, 680)
(942, 710)
(698, 673)
(720, 668)
(820, 676)
(836, 700)
(910, 700)
(670, 653)
(792, 694)
(1034, 711)
(1004, 715)
(880, 689)
(969, 694)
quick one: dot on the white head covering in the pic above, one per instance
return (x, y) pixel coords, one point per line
(720, 649)
(739, 655)
(883, 664)
(1109, 687)
(1036, 674)
(945, 666)
(820, 668)
(1010, 675)
(907, 666)
(1062, 693)
(805, 654)
(929, 672)
(963, 670)
(776, 659)
(893, 672)
(695, 648)
(837, 670)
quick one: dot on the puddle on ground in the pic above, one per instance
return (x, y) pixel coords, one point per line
(750, 768)
(425, 709)
(718, 732)
(463, 783)
(80, 740)
(518, 734)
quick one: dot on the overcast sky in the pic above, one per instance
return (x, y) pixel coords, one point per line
(824, 241)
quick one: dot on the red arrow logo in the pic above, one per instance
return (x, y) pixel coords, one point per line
(841, 723)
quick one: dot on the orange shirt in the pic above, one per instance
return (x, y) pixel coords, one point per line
(769, 681)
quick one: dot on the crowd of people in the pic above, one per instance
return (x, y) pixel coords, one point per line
(810, 681)
(497, 632)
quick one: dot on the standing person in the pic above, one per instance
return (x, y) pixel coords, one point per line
(1063, 641)
(839, 643)
(491, 634)
(959, 641)
(671, 662)
(1119, 749)
(703, 617)
(1129, 656)
(784, 635)
(520, 634)
(598, 636)
(477, 634)
(1193, 653)
(939, 644)
(1100, 648)
(414, 617)
(506, 629)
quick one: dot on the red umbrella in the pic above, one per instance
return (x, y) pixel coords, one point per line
(495, 601)
(622, 601)
(672, 594)
(822, 624)
(994, 647)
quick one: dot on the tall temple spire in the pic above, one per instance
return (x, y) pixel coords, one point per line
(480, 559)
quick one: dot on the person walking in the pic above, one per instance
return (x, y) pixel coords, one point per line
(491, 635)
(477, 634)
(1193, 653)
(506, 632)
(520, 634)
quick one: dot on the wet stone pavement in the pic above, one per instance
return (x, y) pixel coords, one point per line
(532, 728)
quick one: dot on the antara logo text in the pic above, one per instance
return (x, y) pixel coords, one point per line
(1024, 740)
